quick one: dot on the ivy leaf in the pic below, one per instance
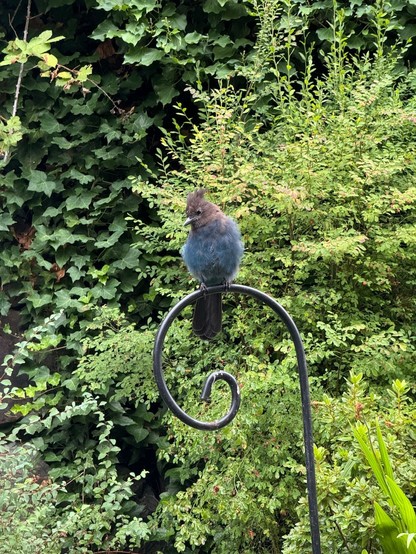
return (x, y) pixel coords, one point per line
(119, 225)
(49, 123)
(105, 153)
(38, 182)
(129, 260)
(62, 142)
(5, 221)
(4, 304)
(142, 122)
(80, 261)
(46, 36)
(326, 33)
(143, 56)
(48, 61)
(409, 31)
(64, 300)
(122, 420)
(106, 29)
(39, 300)
(194, 38)
(107, 240)
(177, 21)
(62, 237)
(139, 433)
(109, 132)
(75, 273)
(165, 90)
(83, 178)
(84, 73)
(80, 201)
(107, 291)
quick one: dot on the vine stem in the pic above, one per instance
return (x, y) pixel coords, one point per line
(75, 72)
(22, 67)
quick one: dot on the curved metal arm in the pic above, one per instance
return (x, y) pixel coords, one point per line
(216, 376)
(235, 392)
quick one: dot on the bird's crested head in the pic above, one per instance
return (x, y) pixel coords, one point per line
(199, 211)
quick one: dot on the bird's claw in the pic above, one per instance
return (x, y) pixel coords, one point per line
(203, 287)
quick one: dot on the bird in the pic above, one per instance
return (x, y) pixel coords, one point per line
(212, 254)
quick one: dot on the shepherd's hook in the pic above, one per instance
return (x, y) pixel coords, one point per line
(235, 391)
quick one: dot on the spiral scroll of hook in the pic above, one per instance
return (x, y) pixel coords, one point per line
(235, 391)
(210, 381)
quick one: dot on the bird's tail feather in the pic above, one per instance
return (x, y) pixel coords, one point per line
(207, 318)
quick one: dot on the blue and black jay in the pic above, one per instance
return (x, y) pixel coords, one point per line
(212, 254)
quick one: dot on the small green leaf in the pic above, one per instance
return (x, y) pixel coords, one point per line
(84, 73)
(139, 433)
(143, 56)
(38, 182)
(5, 221)
(50, 60)
(81, 201)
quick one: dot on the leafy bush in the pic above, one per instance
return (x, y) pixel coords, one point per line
(94, 434)
(40, 515)
(27, 501)
(326, 203)
(70, 144)
(345, 487)
(323, 190)
(84, 88)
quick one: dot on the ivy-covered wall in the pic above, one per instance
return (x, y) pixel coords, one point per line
(93, 103)
(85, 122)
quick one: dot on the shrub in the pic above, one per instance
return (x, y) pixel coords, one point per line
(323, 190)
(347, 490)
(95, 434)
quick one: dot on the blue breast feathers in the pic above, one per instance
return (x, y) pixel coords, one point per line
(213, 252)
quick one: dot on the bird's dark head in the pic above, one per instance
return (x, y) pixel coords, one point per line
(199, 211)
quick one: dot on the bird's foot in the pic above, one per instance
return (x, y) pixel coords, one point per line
(227, 285)
(203, 287)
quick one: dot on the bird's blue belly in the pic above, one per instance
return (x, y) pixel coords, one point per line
(212, 253)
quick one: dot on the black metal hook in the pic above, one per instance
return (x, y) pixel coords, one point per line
(235, 392)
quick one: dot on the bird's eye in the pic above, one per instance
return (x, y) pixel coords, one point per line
(199, 211)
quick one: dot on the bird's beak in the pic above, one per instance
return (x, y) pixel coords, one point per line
(189, 220)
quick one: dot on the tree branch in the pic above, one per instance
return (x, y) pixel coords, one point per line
(22, 66)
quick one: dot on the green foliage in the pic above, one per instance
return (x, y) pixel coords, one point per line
(90, 104)
(40, 515)
(326, 203)
(113, 70)
(27, 503)
(368, 27)
(345, 488)
(323, 190)
(242, 481)
(129, 377)
(10, 134)
(395, 536)
(185, 42)
(19, 51)
(312, 152)
(97, 424)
